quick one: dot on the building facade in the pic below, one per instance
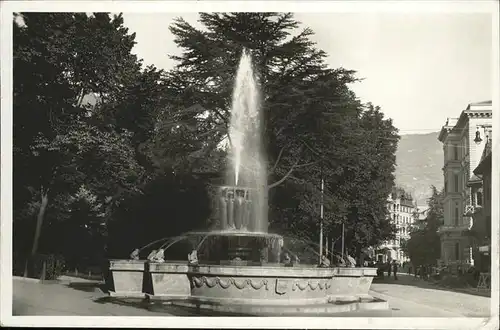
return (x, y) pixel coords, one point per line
(462, 149)
(480, 211)
(401, 209)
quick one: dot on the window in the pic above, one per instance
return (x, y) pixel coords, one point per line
(457, 251)
(446, 186)
(456, 215)
(479, 198)
(455, 152)
(457, 181)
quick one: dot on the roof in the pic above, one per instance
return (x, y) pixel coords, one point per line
(480, 103)
(484, 166)
(474, 179)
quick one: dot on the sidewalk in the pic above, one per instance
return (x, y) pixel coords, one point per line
(431, 284)
(69, 296)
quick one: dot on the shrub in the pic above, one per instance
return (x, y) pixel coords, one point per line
(54, 266)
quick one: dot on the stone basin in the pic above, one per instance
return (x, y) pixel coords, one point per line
(128, 278)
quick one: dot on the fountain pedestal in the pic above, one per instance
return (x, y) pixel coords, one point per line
(236, 208)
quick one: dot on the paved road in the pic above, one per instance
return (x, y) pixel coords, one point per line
(407, 298)
(429, 299)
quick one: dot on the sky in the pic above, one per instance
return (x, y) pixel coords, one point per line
(420, 68)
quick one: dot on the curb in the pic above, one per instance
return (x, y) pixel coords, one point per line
(72, 279)
(63, 279)
(26, 279)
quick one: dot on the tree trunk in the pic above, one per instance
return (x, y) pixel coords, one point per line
(39, 221)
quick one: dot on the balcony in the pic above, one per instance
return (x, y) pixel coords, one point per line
(469, 210)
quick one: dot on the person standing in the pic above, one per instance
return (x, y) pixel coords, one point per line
(388, 268)
(395, 269)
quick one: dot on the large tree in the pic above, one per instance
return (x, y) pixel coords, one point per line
(60, 60)
(314, 126)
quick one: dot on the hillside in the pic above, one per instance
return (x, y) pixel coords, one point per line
(419, 161)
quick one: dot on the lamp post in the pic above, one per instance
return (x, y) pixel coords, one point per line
(342, 239)
(321, 219)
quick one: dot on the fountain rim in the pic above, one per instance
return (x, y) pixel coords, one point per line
(232, 233)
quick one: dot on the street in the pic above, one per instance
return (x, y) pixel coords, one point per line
(407, 297)
(410, 296)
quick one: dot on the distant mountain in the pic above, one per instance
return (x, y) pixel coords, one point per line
(419, 160)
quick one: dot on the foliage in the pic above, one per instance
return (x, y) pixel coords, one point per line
(61, 143)
(424, 244)
(169, 206)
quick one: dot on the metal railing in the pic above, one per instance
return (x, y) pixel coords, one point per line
(469, 210)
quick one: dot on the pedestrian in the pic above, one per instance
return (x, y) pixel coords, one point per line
(395, 269)
(409, 269)
(388, 268)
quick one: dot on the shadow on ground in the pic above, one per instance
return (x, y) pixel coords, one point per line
(411, 280)
(162, 309)
(89, 286)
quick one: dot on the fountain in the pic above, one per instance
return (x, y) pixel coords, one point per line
(242, 268)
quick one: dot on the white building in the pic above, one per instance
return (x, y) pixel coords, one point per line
(463, 141)
(401, 209)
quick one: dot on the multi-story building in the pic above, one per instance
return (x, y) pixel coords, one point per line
(401, 209)
(462, 147)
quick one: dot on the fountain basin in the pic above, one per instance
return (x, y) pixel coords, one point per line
(128, 278)
(245, 290)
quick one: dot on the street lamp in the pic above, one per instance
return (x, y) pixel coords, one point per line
(478, 139)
